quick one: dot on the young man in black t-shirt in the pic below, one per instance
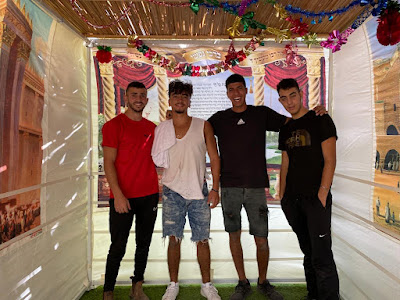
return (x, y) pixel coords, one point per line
(308, 145)
(241, 132)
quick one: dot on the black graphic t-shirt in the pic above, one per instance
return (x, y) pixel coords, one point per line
(301, 139)
(241, 143)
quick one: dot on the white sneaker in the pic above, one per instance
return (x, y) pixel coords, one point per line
(172, 291)
(209, 291)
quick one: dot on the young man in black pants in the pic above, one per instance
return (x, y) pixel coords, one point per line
(131, 174)
(308, 145)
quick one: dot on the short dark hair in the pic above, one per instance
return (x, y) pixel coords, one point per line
(178, 87)
(286, 84)
(135, 84)
(235, 78)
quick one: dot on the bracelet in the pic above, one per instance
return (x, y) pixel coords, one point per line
(215, 190)
(324, 187)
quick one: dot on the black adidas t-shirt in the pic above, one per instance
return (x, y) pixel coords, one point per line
(302, 139)
(241, 143)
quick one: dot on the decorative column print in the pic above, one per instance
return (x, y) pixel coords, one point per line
(162, 87)
(258, 74)
(314, 79)
(7, 37)
(107, 76)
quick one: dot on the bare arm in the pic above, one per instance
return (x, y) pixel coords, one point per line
(120, 202)
(283, 174)
(329, 152)
(211, 143)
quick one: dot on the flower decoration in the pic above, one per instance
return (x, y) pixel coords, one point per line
(310, 39)
(281, 12)
(388, 31)
(336, 39)
(281, 35)
(103, 54)
(233, 31)
(298, 27)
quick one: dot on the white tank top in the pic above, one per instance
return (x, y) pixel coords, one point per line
(187, 163)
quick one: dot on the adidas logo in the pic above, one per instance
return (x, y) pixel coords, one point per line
(241, 122)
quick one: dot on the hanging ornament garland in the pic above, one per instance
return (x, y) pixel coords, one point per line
(232, 58)
(388, 31)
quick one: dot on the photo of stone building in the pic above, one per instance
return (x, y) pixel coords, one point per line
(21, 111)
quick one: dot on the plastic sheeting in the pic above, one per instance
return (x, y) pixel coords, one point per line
(367, 259)
(52, 263)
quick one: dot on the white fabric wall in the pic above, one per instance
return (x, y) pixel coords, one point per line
(54, 263)
(367, 259)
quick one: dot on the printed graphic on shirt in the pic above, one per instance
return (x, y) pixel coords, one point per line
(299, 138)
(241, 122)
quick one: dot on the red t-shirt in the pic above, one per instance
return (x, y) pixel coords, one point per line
(137, 176)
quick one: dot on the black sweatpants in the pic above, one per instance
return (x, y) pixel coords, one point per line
(145, 210)
(312, 224)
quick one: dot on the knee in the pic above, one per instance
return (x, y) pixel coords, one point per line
(261, 243)
(117, 250)
(322, 262)
(234, 237)
(174, 241)
(203, 244)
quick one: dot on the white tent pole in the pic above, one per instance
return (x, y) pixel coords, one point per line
(90, 160)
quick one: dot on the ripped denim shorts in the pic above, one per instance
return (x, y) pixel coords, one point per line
(175, 209)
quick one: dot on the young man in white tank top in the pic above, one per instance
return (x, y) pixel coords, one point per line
(184, 187)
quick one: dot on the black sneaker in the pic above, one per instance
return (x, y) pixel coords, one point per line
(242, 290)
(269, 290)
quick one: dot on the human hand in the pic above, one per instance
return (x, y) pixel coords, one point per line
(121, 204)
(213, 198)
(320, 110)
(322, 195)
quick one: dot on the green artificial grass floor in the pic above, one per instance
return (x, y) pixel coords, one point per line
(192, 292)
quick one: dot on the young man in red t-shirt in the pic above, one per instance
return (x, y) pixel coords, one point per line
(131, 174)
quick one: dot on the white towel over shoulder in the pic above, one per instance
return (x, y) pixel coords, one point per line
(164, 138)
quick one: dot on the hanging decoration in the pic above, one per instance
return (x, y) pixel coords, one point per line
(291, 54)
(310, 39)
(388, 31)
(281, 12)
(337, 39)
(243, 5)
(103, 54)
(327, 13)
(233, 30)
(281, 34)
(299, 27)
(232, 58)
